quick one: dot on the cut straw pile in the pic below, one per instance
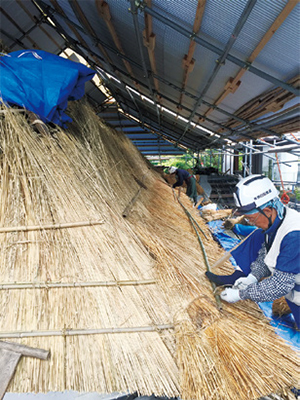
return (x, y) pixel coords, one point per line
(122, 304)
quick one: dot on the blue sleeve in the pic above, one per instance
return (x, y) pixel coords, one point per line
(288, 259)
(247, 252)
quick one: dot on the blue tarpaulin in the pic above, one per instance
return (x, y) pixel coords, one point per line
(284, 326)
(42, 83)
(243, 230)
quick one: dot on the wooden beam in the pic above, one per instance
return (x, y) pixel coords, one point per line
(149, 42)
(24, 350)
(104, 12)
(273, 28)
(235, 82)
(8, 364)
(12, 21)
(10, 354)
(84, 21)
(33, 19)
(188, 60)
(76, 33)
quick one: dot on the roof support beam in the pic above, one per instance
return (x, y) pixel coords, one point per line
(12, 21)
(149, 43)
(48, 9)
(244, 64)
(223, 127)
(188, 61)
(60, 11)
(234, 83)
(164, 132)
(16, 41)
(82, 18)
(104, 12)
(137, 34)
(94, 38)
(85, 23)
(242, 20)
(292, 112)
(263, 104)
(34, 19)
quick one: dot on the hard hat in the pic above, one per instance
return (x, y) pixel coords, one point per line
(253, 192)
(172, 170)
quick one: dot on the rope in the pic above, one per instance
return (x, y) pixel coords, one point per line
(284, 198)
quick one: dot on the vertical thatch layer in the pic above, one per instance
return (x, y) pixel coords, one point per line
(165, 337)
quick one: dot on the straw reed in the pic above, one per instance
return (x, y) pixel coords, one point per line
(166, 337)
(280, 307)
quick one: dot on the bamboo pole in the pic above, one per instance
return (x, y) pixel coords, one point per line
(13, 110)
(48, 285)
(79, 332)
(217, 297)
(50, 226)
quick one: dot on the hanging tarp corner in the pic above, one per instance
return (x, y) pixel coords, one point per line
(42, 83)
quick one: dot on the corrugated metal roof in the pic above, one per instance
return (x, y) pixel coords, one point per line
(276, 61)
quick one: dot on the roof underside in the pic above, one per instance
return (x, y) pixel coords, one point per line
(199, 74)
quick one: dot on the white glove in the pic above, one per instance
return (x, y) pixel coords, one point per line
(242, 283)
(230, 295)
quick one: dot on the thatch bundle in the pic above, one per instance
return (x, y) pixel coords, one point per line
(231, 222)
(213, 215)
(280, 307)
(122, 304)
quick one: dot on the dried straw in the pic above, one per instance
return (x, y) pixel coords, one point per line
(280, 307)
(86, 174)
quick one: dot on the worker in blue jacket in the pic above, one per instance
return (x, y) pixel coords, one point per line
(183, 175)
(278, 259)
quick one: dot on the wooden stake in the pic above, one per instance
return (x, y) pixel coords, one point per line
(10, 354)
(25, 350)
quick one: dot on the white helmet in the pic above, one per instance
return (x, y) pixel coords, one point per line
(253, 192)
(172, 170)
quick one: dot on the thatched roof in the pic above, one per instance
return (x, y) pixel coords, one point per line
(122, 303)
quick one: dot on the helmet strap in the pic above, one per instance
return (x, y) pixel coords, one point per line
(269, 218)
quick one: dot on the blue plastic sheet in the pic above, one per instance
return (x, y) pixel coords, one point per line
(226, 241)
(284, 326)
(243, 230)
(42, 83)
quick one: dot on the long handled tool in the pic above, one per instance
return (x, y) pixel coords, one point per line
(227, 255)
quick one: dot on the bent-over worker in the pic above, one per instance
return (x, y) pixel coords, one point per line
(278, 256)
(184, 176)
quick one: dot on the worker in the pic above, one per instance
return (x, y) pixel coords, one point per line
(278, 258)
(184, 176)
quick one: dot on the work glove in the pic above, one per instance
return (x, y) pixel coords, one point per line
(230, 295)
(242, 283)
